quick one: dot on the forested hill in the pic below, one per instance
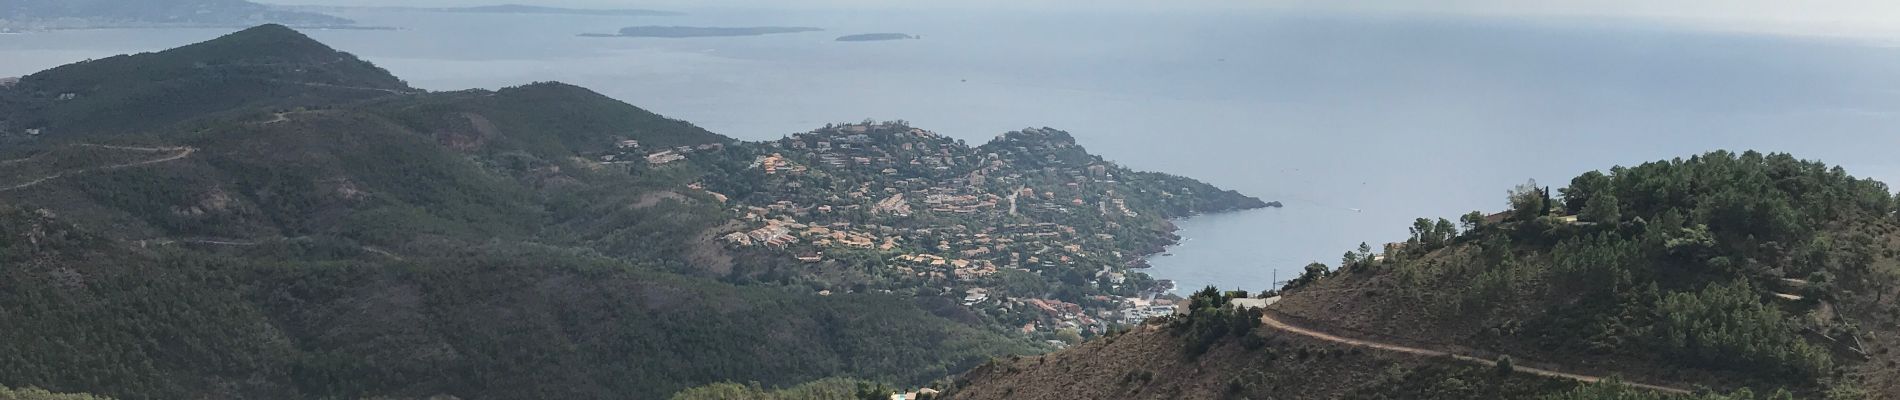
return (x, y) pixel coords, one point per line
(552, 119)
(1748, 273)
(72, 14)
(269, 66)
(260, 216)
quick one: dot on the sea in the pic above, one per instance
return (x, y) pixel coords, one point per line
(1357, 123)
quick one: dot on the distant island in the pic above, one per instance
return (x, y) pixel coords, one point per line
(696, 31)
(502, 9)
(876, 37)
(38, 15)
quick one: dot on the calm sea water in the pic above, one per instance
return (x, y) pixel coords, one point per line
(1358, 124)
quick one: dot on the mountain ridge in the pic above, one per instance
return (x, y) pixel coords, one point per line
(87, 14)
(265, 66)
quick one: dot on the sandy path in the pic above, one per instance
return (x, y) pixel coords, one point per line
(1283, 326)
(182, 153)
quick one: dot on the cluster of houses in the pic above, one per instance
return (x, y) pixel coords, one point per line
(852, 145)
(1058, 315)
(954, 251)
(775, 163)
(1137, 309)
(774, 234)
(941, 213)
(1117, 205)
(954, 203)
(823, 236)
(931, 265)
(628, 150)
(894, 205)
(783, 232)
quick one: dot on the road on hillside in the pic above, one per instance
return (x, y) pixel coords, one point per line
(1289, 328)
(182, 153)
(326, 85)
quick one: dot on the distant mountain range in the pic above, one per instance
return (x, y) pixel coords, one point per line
(501, 9)
(80, 14)
(31, 15)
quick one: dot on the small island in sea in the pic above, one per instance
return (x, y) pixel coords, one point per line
(527, 9)
(696, 31)
(876, 37)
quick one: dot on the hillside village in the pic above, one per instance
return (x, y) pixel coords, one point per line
(920, 210)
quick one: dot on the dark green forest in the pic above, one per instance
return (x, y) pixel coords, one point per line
(495, 321)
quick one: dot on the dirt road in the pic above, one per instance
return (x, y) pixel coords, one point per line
(182, 153)
(1283, 326)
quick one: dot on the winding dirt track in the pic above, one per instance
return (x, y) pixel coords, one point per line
(1283, 326)
(182, 153)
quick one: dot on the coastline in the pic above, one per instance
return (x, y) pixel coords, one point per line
(1145, 264)
(1141, 261)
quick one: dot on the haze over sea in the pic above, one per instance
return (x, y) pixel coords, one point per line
(1358, 123)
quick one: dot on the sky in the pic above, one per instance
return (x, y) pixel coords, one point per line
(1879, 18)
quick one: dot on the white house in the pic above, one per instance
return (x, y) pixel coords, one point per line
(1248, 304)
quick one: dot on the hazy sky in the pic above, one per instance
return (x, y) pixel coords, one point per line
(1821, 17)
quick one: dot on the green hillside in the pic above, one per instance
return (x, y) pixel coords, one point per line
(1730, 275)
(1724, 269)
(269, 66)
(348, 243)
